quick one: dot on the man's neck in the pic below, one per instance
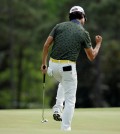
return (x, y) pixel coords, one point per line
(80, 22)
(77, 21)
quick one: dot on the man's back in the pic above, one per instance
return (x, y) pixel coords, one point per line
(68, 37)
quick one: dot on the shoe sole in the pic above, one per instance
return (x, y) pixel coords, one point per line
(57, 117)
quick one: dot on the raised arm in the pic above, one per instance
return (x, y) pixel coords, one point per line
(92, 53)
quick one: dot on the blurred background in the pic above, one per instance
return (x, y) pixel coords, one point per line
(24, 27)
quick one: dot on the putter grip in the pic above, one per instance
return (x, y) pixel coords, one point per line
(43, 78)
(44, 74)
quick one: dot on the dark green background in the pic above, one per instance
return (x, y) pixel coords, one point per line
(24, 27)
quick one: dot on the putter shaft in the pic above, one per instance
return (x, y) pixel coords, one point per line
(43, 101)
(43, 119)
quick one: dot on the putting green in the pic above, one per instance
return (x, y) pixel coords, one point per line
(85, 121)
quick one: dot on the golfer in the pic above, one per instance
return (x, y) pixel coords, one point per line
(67, 39)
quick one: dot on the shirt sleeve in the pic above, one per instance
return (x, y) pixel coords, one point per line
(53, 32)
(87, 40)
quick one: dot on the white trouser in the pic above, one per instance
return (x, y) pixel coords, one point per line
(66, 90)
(60, 98)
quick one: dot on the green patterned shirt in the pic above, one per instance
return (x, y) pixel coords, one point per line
(68, 39)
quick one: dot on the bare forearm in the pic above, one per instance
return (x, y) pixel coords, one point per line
(92, 53)
(96, 50)
(45, 55)
(45, 50)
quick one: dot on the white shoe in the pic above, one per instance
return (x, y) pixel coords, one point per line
(57, 113)
(66, 129)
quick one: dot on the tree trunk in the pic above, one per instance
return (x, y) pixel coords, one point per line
(20, 76)
(11, 53)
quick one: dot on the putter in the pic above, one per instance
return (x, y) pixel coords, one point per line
(43, 119)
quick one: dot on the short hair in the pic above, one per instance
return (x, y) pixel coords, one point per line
(76, 15)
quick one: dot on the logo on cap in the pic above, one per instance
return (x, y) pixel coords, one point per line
(77, 8)
(74, 9)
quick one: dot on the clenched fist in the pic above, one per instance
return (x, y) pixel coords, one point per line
(98, 39)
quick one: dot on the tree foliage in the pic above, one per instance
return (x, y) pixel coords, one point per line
(24, 27)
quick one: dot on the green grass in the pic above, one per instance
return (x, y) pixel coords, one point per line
(85, 121)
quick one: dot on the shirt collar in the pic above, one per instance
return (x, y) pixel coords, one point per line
(75, 21)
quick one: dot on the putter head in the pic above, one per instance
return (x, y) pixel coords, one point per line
(44, 121)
